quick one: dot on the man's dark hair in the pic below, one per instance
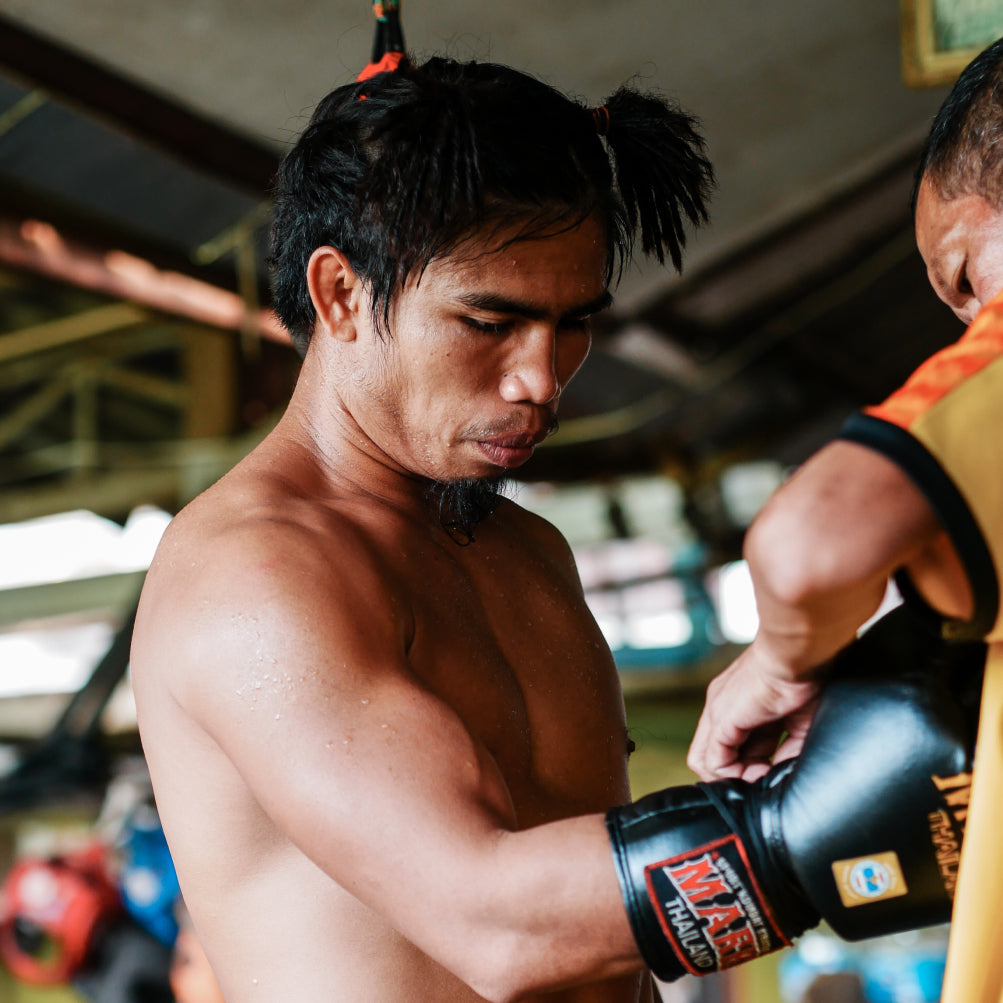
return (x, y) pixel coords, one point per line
(963, 154)
(399, 169)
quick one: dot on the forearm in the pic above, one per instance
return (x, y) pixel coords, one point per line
(578, 925)
(539, 910)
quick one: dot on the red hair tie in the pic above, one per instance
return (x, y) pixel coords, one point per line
(600, 116)
(388, 46)
(389, 62)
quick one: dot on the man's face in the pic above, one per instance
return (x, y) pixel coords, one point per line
(480, 347)
(961, 241)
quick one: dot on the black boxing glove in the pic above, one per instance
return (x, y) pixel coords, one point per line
(862, 830)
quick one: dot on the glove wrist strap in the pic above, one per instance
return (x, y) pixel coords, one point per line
(692, 895)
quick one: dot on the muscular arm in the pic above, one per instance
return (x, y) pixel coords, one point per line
(296, 665)
(820, 555)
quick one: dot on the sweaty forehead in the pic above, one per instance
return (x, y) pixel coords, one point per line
(572, 258)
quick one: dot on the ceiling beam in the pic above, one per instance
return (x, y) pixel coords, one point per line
(68, 330)
(33, 409)
(114, 347)
(40, 248)
(101, 594)
(138, 110)
(112, 494)
(168, 474)
(799, 257)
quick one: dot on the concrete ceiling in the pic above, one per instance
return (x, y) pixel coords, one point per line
(800, 99)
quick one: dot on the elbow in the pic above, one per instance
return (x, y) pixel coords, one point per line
(497, 971)
(799, 563)
(814, 584)
(496, 992)
(506, 965)
(787, 564)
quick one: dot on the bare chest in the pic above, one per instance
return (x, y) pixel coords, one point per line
(506, 639)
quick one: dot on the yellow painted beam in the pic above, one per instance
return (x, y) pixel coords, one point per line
(68, 330)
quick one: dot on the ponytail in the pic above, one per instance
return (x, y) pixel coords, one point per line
(661, 166)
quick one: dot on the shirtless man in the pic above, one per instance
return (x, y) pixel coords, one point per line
(382, 724)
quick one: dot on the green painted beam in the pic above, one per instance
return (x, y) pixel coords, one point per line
(83, 595)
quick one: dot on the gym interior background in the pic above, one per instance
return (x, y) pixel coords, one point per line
(139, 359)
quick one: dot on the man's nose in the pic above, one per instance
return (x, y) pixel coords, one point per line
(964, 303)
(531, 371)
(969, 311)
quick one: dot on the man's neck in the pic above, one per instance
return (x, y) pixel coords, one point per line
(348, 459)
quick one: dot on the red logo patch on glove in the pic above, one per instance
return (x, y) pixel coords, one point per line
(710, 907)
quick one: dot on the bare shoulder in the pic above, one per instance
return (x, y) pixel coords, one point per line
(251, 569)
(539, 535)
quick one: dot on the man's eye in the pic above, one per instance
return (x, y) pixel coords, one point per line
(488, 326)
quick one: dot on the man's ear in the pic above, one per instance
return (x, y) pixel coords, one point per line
(336, 292)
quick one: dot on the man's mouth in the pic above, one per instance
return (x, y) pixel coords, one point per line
(512, 444)
(508, 451)
(511, 448)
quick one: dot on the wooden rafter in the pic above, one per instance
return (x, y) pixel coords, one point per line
(38, 247)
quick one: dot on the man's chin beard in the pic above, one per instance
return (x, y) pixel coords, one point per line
(461, 505)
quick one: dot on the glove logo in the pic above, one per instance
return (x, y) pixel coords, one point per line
(862, 880)
(869, 879)
(947, 825)
(710, 907)
(947, 846)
